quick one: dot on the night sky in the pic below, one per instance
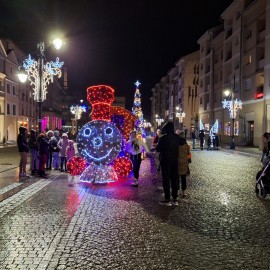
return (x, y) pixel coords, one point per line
(111, 41)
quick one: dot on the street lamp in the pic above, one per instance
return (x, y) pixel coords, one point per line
(40, 75)
(77, 110)
(181, 115)
(159, 120)
(233, 105)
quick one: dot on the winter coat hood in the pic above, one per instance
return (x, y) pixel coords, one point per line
(22, 129)
(168, 128)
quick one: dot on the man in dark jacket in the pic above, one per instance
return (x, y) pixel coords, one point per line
(168, 148)
(23, 150)
(33, 145)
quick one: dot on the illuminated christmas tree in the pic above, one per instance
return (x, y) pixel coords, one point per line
(137, 109)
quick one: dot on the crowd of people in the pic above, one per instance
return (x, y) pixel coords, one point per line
(48, 150)
(172, 156)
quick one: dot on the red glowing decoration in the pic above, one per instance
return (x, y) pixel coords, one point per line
(101, 98)
(76, 165)
(259, 95)
(129, 122)
(122, 166)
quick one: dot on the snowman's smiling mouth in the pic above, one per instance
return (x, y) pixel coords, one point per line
(95, 158)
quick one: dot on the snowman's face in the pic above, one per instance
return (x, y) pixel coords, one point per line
(99, 142)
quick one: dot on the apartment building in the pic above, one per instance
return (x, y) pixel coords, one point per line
(232, 55)
(16, 104)
(236, 57)
(175, 97)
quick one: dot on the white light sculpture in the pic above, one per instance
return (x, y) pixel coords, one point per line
(77, 111)
(40, 75)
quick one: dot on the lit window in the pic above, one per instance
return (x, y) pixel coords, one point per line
(236, 128)
(227, 129)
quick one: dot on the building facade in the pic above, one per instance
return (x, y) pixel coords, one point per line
(17, 104)
(235, 56)
(175, 97)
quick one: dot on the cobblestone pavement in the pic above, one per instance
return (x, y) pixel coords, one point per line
(220, 225)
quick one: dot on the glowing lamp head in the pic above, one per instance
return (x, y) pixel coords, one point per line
(57, 43)
(227, 92)
(22, 76)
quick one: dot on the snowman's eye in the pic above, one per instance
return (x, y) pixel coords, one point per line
(87, 132)
(108, 131)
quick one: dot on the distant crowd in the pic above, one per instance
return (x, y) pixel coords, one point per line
(48, 150)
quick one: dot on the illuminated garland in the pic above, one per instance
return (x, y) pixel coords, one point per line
(98, 174)
(99, 142)
(76, 165)
(123, 166)
(50, 69)
(101, 98)
(124, 120)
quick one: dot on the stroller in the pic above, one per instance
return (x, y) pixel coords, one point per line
(262, 186)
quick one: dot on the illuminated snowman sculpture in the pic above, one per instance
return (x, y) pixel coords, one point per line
(99, 141)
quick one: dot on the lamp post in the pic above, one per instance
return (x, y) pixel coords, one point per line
(41, 74)
(159, 120)
(233, 105)
(181, 115)
(77, 110)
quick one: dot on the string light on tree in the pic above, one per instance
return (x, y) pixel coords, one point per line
(137, 109)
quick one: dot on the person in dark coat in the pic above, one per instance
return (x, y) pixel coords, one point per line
(43, 153)
(33, 145)
(23, 150)
(168, 149)
(201, 136)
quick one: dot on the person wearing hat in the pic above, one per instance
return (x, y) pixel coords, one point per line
(23, 150)
(62, 145)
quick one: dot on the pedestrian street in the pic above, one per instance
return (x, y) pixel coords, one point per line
(221, 224)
